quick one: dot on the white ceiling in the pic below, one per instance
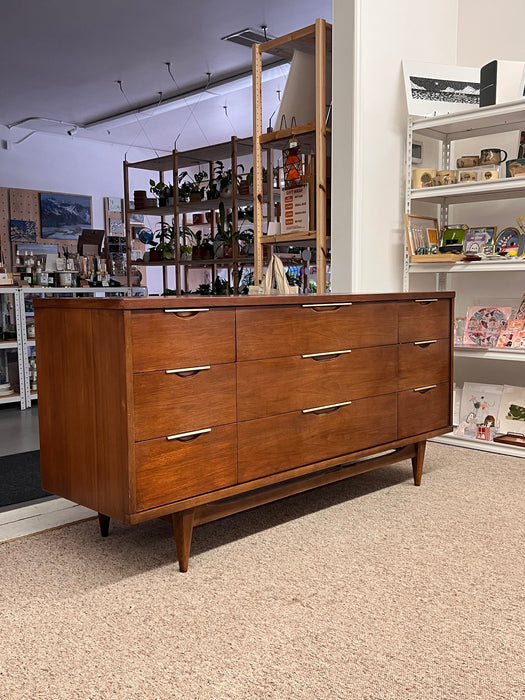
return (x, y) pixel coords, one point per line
(60, 60)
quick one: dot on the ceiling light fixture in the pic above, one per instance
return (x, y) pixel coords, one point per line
(210, 91)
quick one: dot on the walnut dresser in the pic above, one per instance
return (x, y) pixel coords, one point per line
(194, 408)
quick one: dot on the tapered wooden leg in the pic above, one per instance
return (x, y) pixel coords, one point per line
(103, 521)
(417, 462)
(182, 531)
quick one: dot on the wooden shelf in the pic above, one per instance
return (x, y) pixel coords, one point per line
(278, 238)
(194, 207)
(195, 157)
(301, 40)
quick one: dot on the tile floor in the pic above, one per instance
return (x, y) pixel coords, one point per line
(19, 433)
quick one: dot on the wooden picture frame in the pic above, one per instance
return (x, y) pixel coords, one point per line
(422, 236)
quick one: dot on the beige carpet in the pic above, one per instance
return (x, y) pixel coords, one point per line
(372, 589)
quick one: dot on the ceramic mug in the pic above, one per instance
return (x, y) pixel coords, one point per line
(492, 156)
(468, 162)
(448, 177)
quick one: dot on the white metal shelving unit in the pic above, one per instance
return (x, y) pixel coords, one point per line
(486, 121)
(14, 344)
(28, 345)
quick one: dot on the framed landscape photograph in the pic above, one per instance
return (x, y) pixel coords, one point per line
(63, 216)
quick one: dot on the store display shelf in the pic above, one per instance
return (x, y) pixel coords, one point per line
(466, 192)
(484, 445)
(31, 343)
(289, 237)
(197, 156)
(472, 123)
(218, 262)
(8, 344)
(505, 354)
(505, 265)
(191, 207)
(12, 398)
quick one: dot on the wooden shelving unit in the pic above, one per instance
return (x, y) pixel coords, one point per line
(313, 138)
(206, 157)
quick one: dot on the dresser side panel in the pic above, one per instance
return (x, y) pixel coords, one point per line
(113, 413)
(66, 404)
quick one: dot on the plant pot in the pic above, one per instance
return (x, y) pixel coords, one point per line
(186, 257)
(227, 191)
(244, 188)
(162, 201)
(169, 202)
(195, 197)
(155, 256)
(197, 252)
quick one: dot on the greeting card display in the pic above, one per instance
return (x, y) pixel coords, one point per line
(513, 336)
(484, 325)
(511, 415)
(480, 405)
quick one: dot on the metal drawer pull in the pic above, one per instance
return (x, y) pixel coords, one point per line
(193, 434)
(332, 303)
(424, 301)
(193, 370)
(313, 355)
(183, 311)
(326, 408)
(422, 389)
(425, 342)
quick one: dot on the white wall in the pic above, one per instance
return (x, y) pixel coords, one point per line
(488, 30)
(56, 163)
(369, 126)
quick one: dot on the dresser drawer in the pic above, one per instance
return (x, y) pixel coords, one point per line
(423, 411)
(169, 470)
(162, 339)
(167, 403)
(296, 330)
(424, 319)
(269, 387)
(422, 363)
(276, 444)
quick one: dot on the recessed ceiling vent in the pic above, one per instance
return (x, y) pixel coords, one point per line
(249, 37)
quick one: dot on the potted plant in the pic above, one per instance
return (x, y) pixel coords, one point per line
(223, 243)
(198, 189)
(221, 183)
(186, 252)
(161, 191)
(165, 236)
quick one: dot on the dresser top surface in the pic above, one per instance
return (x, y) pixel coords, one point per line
(200, 302)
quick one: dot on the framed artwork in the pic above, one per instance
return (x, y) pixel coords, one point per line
(480, 405)
(22, 231)
(484, 325)
(477, 237)
(433, 89)
(508, 240)
(114, 205)
(63, 216)
(422, 234)
(511, 417)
